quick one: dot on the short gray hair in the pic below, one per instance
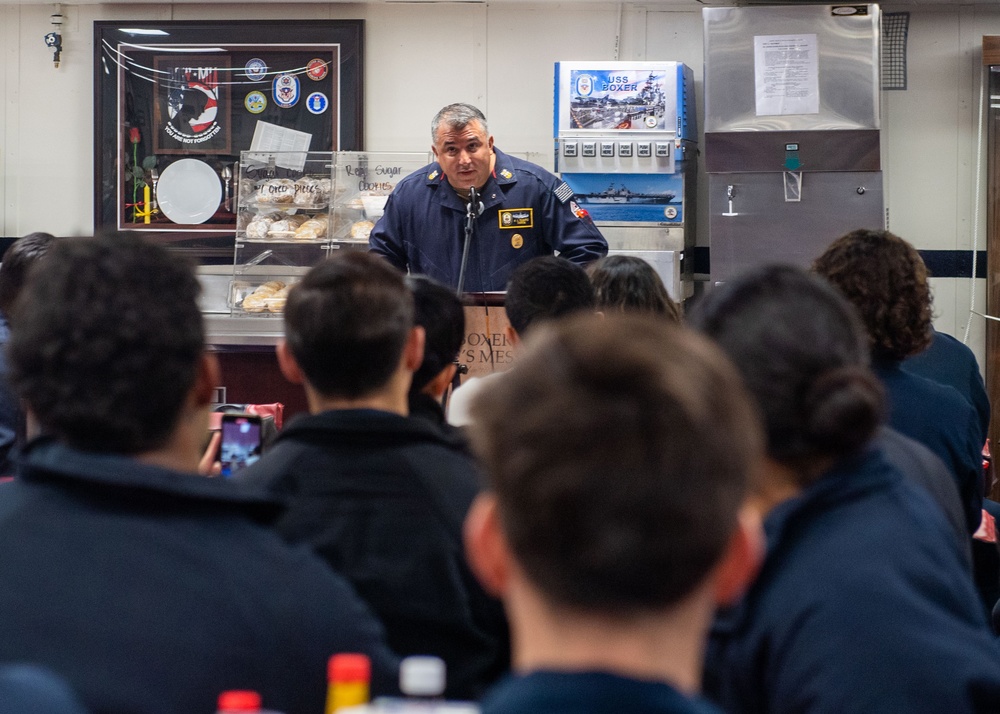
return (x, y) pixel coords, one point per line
(457, 116)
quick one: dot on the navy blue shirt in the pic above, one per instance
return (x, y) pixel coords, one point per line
(153, 591)
(588, 693)
(863, 604)
(382, 498)
(27, 689)
(939, 418)
(948, 361)
(527, 212)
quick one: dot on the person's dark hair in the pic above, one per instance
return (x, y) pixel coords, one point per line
(439, 311)
(803, 355)
(629, 284)
(106, 340)
(886, 280)
(457, 116)
(546, 288)
(17, 259)
(347, 322)
(620, 451)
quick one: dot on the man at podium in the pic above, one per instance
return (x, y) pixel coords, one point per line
(518, 211)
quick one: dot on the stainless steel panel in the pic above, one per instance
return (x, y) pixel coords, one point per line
(636, 236)
(225, 331)
(848, 53)
(767, 229)
(666, 263)
(742, 151)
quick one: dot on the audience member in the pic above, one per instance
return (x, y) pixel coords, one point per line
(149, 588)
(948, 361)
(609, 556)
(545, 288)
(863, 594)
(381, 497)
(439, 311)
(627, 283)
(886, 280)
(17, 259)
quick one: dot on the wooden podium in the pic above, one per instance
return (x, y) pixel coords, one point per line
(485, 348)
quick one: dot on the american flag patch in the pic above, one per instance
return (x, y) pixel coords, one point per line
(563, 192)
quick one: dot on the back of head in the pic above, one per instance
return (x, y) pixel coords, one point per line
(106, 342)
(629, 284)
(546, 288)
(886, 280)
(457, 116)
(17, 259)
(439, 311)
(802, 354)
(347, 322)
(619, 451)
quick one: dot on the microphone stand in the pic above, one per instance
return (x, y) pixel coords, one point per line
(472, 211)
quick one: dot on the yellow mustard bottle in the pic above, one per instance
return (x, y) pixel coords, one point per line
(349, 680)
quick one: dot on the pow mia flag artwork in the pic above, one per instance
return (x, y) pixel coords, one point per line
(192, 105)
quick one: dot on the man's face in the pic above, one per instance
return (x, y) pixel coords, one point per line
(465, 155)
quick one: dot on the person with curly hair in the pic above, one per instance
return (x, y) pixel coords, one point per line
(626, 283)
(886, 280)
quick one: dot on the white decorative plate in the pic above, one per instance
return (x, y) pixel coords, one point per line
(189, 191)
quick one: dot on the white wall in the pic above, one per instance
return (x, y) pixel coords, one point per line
(500, 56)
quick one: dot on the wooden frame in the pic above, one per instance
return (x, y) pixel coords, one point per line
(991, 58)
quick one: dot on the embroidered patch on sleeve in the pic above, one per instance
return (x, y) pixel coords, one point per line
(563, 192)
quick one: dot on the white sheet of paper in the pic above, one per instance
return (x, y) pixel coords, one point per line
(289, 145)
(786, 74)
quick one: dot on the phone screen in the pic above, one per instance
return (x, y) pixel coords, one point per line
(241, 442)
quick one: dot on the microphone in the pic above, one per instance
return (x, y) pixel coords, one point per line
(474, 207)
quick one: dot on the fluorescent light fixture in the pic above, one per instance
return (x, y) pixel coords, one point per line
(141, 31)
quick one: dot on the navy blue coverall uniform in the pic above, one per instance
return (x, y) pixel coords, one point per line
(864, 603)
(527, 212)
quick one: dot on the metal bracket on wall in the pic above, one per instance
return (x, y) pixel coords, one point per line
(793, 186)
(730, 193)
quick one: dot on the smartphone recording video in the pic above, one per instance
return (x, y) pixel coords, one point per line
(241, 442)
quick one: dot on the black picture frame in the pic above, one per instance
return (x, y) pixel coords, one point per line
(253, 61)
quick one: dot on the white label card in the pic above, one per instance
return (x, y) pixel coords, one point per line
(786, 74)
(270, 138)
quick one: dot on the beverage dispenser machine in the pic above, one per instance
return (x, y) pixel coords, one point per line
(792, 146)
(626, 143)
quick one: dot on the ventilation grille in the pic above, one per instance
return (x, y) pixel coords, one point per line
(895, 27)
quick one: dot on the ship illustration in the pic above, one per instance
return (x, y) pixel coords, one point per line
(643, 110)
(622, 194)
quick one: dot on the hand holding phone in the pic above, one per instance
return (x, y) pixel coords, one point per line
(241, 442)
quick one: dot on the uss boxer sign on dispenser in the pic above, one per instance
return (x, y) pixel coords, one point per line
(626, 143)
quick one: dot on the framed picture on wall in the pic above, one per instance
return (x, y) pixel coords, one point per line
(177, 101)
(191, 109)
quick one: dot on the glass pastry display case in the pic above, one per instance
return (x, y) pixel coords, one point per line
(282, 226)
(294, 209)
(363, 181)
